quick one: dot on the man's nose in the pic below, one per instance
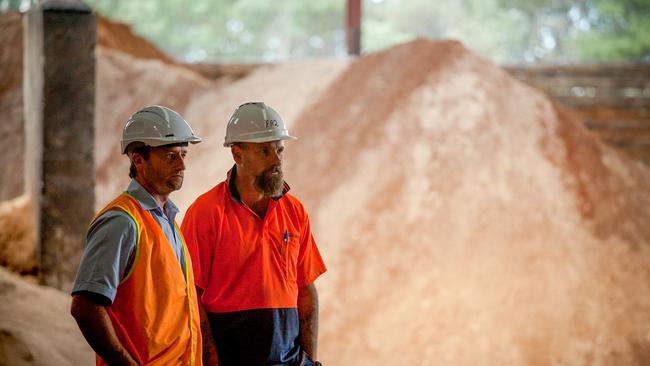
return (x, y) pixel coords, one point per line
(180, 163)
(276, 157)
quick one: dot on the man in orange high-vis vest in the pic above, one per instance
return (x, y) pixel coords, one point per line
(253, 253)
(134, 297)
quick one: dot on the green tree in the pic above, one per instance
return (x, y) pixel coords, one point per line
(248, 30)
(481, 24)
(618, 31)
(13, 5)
(507, 31)
(515, 31)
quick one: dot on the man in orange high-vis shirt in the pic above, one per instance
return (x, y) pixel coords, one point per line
(134, 297)
(255, 259)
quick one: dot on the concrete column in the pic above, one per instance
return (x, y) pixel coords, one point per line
(59, 99)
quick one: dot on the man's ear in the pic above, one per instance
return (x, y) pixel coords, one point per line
(136, 159)
(236, 153)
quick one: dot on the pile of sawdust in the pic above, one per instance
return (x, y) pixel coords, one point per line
(17, 238)
(36, 328)
(462, 211)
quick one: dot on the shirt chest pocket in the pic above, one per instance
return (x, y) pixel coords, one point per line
(288, 245)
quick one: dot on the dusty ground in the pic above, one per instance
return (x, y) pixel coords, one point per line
(17, 249)
(465, 219)
(36, 328)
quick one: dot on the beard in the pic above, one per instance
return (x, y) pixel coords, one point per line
(270, 185)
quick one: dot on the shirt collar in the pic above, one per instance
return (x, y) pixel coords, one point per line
(232, 187)
(147, 201)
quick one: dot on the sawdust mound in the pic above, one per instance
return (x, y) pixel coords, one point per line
(36, 328)
(467, 220)
(17, 249)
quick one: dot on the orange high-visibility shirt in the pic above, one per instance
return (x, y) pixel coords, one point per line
(242, 261)
(155, 311)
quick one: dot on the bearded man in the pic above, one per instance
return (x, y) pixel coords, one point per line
(254, 257)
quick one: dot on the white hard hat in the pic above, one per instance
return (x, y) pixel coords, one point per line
(157, 126)
(255, 122)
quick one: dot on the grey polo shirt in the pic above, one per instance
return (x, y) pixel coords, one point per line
(111, 240)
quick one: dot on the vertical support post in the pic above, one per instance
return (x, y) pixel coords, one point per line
(59, 127)
(353, 27)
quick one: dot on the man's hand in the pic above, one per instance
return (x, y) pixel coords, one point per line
(96, 327)
(210, 357)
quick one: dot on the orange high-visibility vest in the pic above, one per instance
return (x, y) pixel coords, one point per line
(155, 312)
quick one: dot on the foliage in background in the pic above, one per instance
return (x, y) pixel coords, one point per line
(620, 31)
(228, 30)
(516, 31)
(506, 31)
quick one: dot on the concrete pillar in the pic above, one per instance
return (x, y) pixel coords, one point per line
(353, 27)
(59, 88)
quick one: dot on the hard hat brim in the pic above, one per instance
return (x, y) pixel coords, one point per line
(161, 141)
(261, 139)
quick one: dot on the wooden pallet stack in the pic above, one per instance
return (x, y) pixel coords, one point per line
(613, 100)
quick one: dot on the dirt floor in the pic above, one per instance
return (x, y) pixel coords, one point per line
(465, 219)
(36, 328)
